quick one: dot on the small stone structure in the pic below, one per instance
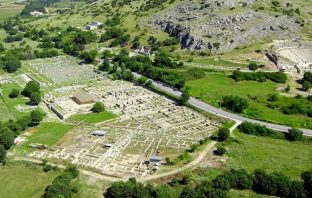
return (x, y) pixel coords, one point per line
(83, 98)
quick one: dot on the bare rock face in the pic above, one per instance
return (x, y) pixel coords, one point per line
(217, 26)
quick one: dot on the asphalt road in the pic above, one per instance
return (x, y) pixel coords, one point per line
(219, 112)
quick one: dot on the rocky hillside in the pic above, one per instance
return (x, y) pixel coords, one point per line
(222, 25)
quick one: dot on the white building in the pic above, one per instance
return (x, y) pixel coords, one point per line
(93, 26)
(36, 13)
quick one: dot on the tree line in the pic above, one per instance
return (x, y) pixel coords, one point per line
(63, 185)
(11, 129)
(293, 134)
(278, 77)
(260, 181)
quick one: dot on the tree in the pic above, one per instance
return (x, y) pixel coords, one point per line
(184, 98)
(35, 98)
(105, 66)
(72, 169)
(235, 103)
(130, 189)
(85, 37)
(307, 80)
(2, 154)
(294, 134)
(253, 66)
(98, 107)
(30, 88)
(89, 57)
(14, 93)
(36, 117)
(6, 138)
(12, 65)
(107, 54)
(223, 134)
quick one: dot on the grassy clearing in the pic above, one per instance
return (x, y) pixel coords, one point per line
(215, 85)
(25, 179)
(47, 133)
(22, 179)
(218, 84)
(252, 152)
(93, 118)
(8, 105)
(9, 10)
(217, 62)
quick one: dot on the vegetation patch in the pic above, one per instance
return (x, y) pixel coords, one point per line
(23, 179)
(251, 152)
(216, 85)
(93, 117)
(48, 134)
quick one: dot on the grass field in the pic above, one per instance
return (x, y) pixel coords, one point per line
(251, 152)
(9, 10)
(93, 117)
(25, 179)
(8, 105)
(215, 85)
(47, 133)
(217, 62)
(22, 179)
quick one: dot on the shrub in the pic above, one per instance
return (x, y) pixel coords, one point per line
(294, 134)
(223, 134)
(278, 77)
(253, 66)
(35, 98)
(36, 117)
(31, 87)
(14, 93)
(221, 150)
(98, 107)
(258, 130)
(274, 184)
(235, 103)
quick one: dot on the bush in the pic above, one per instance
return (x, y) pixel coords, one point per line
(221, 150)
(36, 117)
(253, 66)
(223, 134)
(274, 184)
(35, 98)
(98, 107)
(278, 77)
(30, 88)
(294, 134)
(14, 93)
(258, 130)
(234, 103)
(184, 98)
(62, 185)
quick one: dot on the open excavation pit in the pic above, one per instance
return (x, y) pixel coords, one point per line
(294, 56)
(149, 129)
